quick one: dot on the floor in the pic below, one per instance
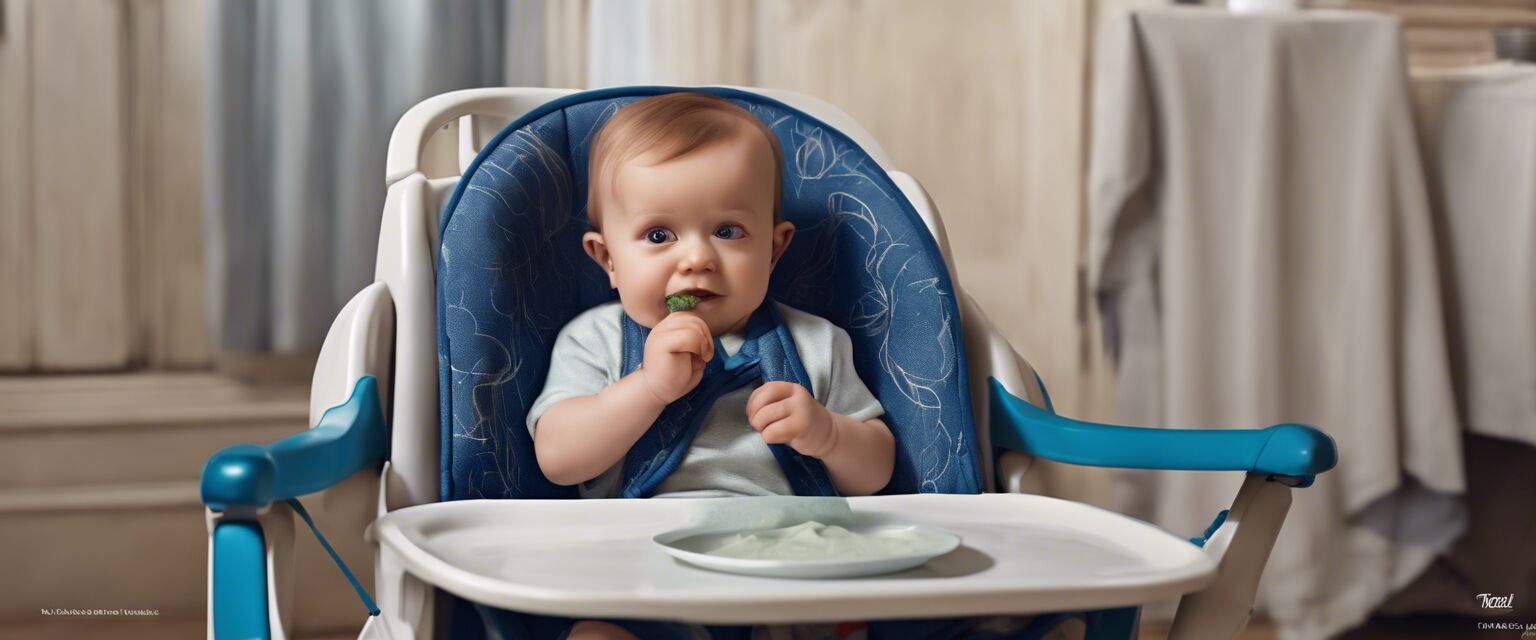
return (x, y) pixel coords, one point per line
(118, 629)
(1410, 628)
(1417, 628)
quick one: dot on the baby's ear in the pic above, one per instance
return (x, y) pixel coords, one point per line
(783, 232)
(592, 241)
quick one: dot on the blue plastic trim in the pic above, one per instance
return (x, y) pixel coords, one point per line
(239, 582)
(1285, 449)
(350, 437)
(1211, 530)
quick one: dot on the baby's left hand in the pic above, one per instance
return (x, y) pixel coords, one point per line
(786, 412)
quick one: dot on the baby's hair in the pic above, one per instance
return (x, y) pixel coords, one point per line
(672, 125)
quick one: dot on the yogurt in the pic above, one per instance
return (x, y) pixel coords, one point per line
(817, 541)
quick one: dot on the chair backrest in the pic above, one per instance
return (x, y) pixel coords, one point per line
(511, 273)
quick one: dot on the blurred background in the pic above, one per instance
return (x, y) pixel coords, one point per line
(190, 190)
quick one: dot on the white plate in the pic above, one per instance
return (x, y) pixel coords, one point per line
(688, 544)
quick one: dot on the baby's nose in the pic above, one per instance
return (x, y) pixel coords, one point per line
(698, 256)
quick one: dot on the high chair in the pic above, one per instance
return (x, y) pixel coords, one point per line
(421, 389)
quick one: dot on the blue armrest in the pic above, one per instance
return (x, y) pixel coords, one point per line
(1297, 451)
(350, 437)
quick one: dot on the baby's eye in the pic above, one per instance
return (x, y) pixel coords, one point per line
(659, 235)
(730, 232)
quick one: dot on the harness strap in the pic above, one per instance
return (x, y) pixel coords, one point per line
(373, 609)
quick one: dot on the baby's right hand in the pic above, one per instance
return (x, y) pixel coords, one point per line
(675, 354)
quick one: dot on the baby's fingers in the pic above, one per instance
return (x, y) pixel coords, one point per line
(769, 394)
(707, 344)
(707, 341)
(783, 431)
(684, 341)
(768, 414)
(691, 325)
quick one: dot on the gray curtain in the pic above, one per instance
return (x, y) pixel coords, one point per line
(302, 97)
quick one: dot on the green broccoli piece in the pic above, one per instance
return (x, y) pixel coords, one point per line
(681, 302)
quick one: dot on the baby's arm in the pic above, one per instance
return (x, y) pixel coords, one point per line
(578, 439)
(859, 455)
(862, 456)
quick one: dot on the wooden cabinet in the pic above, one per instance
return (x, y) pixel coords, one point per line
(100, 198)
(1447, 33)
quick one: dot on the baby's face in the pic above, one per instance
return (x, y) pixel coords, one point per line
(701, 223)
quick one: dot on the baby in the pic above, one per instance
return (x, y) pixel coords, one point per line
(737, 396)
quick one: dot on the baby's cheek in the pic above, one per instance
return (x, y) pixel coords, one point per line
(640, 305)
(752, 269)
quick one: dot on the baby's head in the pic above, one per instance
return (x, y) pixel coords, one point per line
(684, 197)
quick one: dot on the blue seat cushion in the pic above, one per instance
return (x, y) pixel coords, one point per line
(511, 272)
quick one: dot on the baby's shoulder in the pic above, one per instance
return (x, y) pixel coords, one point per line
(599, 328)
(601, 317)
(810, 330)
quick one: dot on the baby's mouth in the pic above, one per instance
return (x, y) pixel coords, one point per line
(704, 295)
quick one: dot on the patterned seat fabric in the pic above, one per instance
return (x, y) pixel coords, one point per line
(511, 273)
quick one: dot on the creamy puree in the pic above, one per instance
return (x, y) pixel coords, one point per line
(816, 541)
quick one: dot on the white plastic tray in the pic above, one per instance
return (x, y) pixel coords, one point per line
(595, 558)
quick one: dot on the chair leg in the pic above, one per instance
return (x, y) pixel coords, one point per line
(230, 571)
(1241, 548)
(405, 602)
(237, 561)
(407, 606)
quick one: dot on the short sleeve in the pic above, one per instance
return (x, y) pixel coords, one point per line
(586, 359)
(847, 394)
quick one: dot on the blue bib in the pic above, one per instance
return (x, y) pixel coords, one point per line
(767, 355)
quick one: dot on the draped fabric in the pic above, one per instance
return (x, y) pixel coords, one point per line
(1262, 241)
(302, 97)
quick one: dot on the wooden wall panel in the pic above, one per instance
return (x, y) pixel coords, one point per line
(15, 224)
(565, 43)
(1482, 15)
(1448, 33)
(167, 103)
(702, 42)
(80, 196)
(100, 185)
(984, 103)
